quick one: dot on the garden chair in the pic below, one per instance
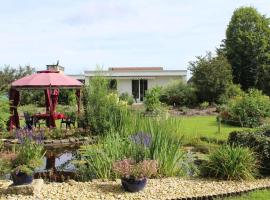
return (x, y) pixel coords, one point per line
(29, 121)
(68, 121)
(39, 122)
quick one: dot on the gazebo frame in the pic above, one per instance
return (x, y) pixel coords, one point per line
(51, 93)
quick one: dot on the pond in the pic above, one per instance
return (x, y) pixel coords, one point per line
(57, 165)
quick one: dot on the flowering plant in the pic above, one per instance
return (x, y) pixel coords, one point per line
(128, 168)
(27, 157)
(141, 138)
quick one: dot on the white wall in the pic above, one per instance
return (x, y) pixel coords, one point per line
(124, 85)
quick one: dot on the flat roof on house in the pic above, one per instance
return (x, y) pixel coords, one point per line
(136, 72)
(135, 68)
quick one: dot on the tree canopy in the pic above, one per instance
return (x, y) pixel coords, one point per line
(247, 46)
(9, 74)
(210, 76)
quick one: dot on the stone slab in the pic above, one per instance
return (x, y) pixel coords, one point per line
(31, 189)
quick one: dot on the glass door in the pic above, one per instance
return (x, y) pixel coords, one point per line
(138, 89)
(143, 88)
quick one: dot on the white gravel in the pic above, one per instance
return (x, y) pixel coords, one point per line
(166, 188)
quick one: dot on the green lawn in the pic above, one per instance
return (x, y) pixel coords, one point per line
(257, 195)
(198, 126)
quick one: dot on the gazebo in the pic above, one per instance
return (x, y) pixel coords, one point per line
(48, 80)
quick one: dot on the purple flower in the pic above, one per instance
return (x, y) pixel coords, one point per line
(27, 134)
(141, 138)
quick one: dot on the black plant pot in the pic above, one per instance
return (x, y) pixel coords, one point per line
(21, 178)
(133, 185)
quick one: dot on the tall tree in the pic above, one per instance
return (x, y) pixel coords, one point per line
(9, 74)
(210, 76)
(247, 45)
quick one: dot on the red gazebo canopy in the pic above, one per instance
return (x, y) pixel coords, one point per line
(50, 82)
(46, 78)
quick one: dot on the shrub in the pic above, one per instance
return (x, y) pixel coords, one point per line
(231, 91)
(259, 141)
(152, 102)
(210, 76)
(204, 105)
(4, 112)
(102, 109)
(249, 110)
(126, 97)
(178, 93)
(67, 97)
(231, 163)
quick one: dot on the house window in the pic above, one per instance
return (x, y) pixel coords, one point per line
(113, 84)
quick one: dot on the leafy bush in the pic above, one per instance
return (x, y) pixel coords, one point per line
(126, 97)
(204, 105)
(210, 76)
(152, 102)
(178, 93)
(102, 109)
(231, 163)
(259, 141)
(231, 91)
(249, 110)
(4, 112)
(67, 97)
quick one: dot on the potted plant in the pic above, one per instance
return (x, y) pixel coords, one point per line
(21, 166)
(133, 175)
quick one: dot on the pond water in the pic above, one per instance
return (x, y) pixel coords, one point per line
(57, 165)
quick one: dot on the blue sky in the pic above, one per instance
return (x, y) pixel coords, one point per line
(110, 33)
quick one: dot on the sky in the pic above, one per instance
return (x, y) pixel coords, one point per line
(82, 34)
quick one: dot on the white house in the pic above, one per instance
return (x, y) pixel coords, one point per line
(135, 80)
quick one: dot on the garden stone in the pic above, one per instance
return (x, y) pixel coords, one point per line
(65, 141)
(15, 141)
(72, 140)
(48, 141)
(56, 141)
(30, 189)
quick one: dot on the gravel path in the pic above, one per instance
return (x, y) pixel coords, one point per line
(167, 188)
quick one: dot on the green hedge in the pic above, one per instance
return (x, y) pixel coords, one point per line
(259, 141)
